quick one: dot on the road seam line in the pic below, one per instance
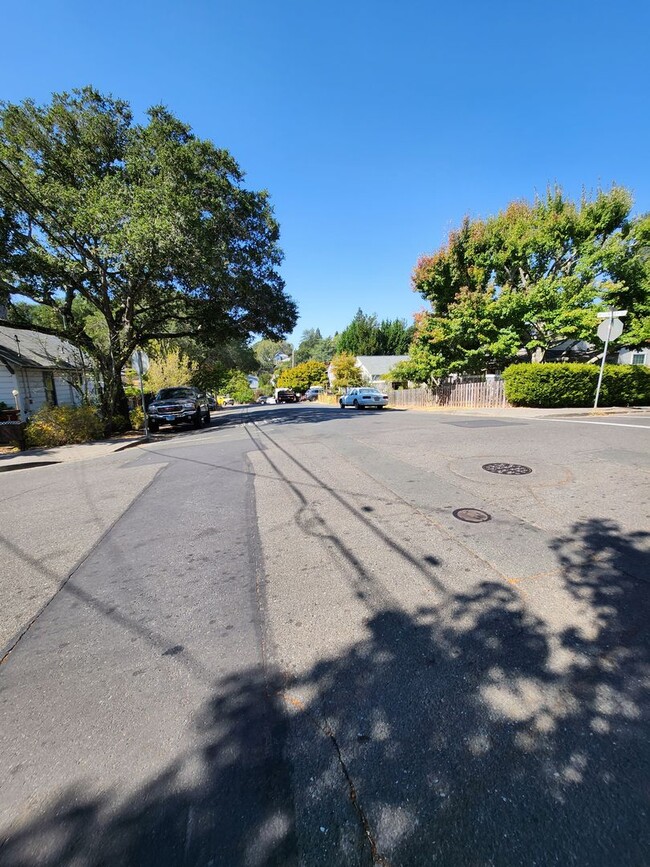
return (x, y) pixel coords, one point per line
(13, 642)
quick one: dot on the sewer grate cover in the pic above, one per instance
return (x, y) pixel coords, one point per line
(471, 516)
(507, 469)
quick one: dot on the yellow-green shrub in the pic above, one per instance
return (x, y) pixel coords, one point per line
(60, 425)
(137, 418)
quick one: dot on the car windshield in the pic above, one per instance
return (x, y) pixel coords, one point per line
(174, 393)
(369, 391)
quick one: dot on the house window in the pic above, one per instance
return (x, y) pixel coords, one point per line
(638, 358)
(50, 388)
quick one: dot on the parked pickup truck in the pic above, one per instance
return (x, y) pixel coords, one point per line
(285, 395)
(178, 405)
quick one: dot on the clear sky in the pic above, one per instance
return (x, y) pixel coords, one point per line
(375, 124)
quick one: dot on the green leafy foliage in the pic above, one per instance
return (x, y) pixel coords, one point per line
(529, 277)
(168, 369)
(147, 225)
(573, 385)
(238, 388)
(366, 336)
(212, 364)
(37, 315)
(136, 417)
(61, 425)
(303, 376)
(346, 372)
(394, 337)
(266, 350)
(360, 336)
(315, 347)
(265, 386)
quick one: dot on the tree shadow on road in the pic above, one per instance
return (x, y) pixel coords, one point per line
(471, 732)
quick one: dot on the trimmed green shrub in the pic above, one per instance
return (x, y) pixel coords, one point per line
(625, 385)
(572, 385)
(61, 425)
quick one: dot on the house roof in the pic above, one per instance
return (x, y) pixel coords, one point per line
(571, 345)
(378, 365)
(22, 347)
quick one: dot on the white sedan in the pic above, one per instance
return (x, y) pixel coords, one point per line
(362, 397)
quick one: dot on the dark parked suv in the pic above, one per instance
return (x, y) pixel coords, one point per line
(285, 395)
(178, 405)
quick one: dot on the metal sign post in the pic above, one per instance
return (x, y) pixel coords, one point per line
(610, 328)
(140, 363)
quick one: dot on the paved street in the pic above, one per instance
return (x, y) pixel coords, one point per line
(272, 642)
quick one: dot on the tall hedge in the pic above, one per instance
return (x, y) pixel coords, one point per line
(568, 385)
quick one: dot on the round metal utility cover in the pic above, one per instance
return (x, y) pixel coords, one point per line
(507, 469)
(471, 516)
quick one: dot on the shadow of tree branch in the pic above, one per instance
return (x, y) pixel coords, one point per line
(452, 736)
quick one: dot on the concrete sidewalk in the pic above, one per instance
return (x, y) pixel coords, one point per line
(66, 454)
(529, 411)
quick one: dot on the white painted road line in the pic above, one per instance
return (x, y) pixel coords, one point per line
(588, 421)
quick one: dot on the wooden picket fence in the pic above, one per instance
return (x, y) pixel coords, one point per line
(469, 391)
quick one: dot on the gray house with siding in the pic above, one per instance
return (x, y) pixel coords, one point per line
(38, 369)
(635, 356)
(373, 368)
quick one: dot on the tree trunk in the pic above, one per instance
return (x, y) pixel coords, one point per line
(114, 405)
(121, 403)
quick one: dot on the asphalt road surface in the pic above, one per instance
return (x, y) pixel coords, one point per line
(315, 637)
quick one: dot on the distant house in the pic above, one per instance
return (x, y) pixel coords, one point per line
(373, 368)
(38, 369)
(635, 356)
(253, 381)
(580, 350)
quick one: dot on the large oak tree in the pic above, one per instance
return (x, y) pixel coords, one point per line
(132, 231)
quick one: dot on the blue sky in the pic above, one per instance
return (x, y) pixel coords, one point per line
(374, 125)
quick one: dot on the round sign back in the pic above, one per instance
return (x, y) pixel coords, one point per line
(140, 362)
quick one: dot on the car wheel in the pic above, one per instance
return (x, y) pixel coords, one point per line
(197, 421)
(341, 404)
(355, 404)
(153, 426)
(206, 418)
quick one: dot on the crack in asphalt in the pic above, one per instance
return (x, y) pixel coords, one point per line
(325, 729)
(324, 726)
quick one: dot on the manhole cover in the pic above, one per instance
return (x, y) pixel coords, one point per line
(508, 469)
(471, 516)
